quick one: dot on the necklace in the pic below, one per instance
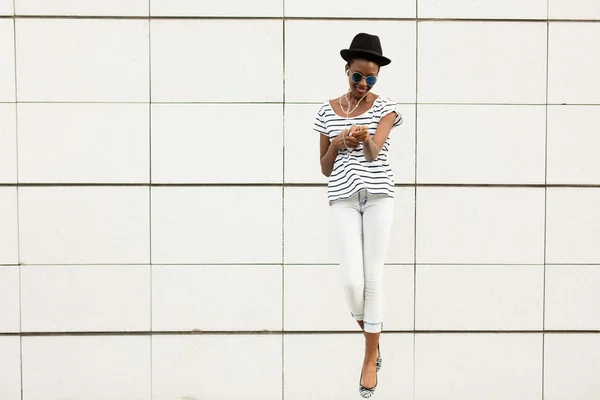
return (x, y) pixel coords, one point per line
(348, 112)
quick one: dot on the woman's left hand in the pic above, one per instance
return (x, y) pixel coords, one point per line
(361, 133)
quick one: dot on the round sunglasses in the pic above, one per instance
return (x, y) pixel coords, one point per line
(357, 77)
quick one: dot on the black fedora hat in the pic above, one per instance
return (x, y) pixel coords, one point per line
(367, 46)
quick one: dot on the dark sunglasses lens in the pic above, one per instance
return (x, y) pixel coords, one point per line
(371, 80)
(357, 77)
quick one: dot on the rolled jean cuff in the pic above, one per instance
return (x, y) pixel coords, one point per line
(373, 327)
(358, 317)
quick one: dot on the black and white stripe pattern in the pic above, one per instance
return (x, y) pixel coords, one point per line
(351, 170)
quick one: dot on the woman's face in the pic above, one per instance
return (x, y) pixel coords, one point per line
(366, 68)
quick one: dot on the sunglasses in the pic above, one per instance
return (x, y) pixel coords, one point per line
(357, 77)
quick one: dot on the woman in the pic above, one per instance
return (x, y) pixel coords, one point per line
(354, 144)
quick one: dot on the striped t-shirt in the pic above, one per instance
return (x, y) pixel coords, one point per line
(351, 170)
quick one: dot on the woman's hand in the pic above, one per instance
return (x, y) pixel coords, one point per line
(344, 140)
(360, 133)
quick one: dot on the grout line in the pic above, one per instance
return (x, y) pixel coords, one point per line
(276, 18)
(297, 332)
(150, 192)
(18, 204)
(283, 214)
(414, 355)
(303, 185)
(296, 103)
(316, 265)
(301, 103)
(545, 203)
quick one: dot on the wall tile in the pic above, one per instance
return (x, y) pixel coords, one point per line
(573, 63)
(326, 79)
(573, 9)
(84, 225)
(480, 225)
(570, 292)
(8, 143)
(572, 225)
(510, 9)
(326, 309)
(7, 60)
(84, 143)
(571, 366)
(86, 367)
(75, 7)
(9, 301)
(182, 149)
(477, 366)
(308, 226)
(182, 71)
(82, 60)
(216, 225)
(337, 379)
(6, 7)
(350, 8)
(9, 236)
(474, 62)
(85, 298)
(10, 367)
(224, 8)
(481, 144)
(232, 297)
(217, 367)
(479, 297)
(573, 145)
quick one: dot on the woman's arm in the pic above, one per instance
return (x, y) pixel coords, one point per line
(372, 146)
(329, 150)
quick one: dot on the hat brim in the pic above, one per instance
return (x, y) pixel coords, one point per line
(347, 54)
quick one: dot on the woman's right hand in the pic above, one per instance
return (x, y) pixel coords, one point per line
(338, 141)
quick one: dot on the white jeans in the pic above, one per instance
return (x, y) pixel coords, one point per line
(362, 225)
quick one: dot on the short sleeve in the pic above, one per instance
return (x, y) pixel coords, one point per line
(391, 106)
(320, 125)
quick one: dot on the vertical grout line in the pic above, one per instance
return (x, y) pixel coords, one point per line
(150, 188)
(283, 211)
(545, 200)
(415, 201)
(17, 198)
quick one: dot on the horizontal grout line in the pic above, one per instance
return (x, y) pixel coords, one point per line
(302, 185)
(278, 103)
(291, 333)
(294, 18)
(293, 264)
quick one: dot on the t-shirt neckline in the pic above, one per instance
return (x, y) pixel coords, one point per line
(356, 116)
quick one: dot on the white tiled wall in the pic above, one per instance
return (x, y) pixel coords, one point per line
(217, 367)
(164, 231)
(83, 142)
(86, 367)
(8, 143)
(6, 7)
(483, 9)
(573, 70)
(9, 299)
(477, 62)
(475, 366)
(88, 7)
(10, 367)
(7, 57)
(82, 60)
